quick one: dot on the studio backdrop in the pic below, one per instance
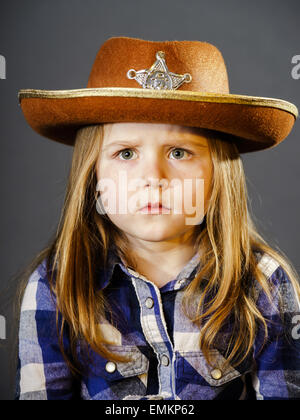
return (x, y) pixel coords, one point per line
(52, 44)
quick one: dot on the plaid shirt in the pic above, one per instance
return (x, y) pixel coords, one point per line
(167, 361)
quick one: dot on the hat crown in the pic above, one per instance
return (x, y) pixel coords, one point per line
(173, 82)
(203, 61)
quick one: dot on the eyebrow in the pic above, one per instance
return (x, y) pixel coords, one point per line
(178, 142)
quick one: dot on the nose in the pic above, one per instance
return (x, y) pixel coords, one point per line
(154, 183)
(154, 172)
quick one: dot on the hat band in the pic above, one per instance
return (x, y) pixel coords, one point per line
(160, 94)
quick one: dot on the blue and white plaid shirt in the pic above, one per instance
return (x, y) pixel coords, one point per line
(151, 326)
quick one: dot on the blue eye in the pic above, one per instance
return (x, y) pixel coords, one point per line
(181, 152)
(125, 153)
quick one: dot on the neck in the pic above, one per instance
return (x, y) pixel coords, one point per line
(161, 261)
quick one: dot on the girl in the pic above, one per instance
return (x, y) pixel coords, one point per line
(157, 284)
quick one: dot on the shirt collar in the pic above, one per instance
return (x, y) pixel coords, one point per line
(182, 279)
(107, 272)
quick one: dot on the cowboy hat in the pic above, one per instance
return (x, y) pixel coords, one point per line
(179, 82)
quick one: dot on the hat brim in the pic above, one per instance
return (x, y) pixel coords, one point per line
(255, 123)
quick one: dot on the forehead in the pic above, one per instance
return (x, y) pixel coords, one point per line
(117, 132)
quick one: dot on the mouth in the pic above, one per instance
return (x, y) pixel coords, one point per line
(154, 208)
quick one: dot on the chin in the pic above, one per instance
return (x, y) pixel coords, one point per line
(158, 234)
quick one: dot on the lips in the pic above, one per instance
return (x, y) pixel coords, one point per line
(154, 206)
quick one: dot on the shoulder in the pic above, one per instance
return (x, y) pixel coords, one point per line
(266, 263)
(37, 294)
(37, 320)
(283, 290)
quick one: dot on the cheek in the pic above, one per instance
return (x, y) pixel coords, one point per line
(102, 168)
(107, 173)
(116, 196)
(107, 185)
(202, 171)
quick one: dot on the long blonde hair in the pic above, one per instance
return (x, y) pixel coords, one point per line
(227, 243)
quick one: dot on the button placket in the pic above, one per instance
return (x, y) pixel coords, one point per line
(156, 332)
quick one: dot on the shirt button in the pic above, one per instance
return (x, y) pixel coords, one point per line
(149, 303)
(216, 374)
(110, 367)
(165, 360)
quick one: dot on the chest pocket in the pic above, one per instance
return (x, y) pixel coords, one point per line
(115, 371)
(192, 367)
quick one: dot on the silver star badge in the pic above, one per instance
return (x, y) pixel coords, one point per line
(158, 76)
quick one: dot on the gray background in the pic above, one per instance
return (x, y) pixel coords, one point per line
(51, 44)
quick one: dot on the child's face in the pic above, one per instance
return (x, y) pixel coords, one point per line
(150, 154)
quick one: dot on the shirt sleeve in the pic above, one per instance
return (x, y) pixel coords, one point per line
(42, 373)
(277, 373)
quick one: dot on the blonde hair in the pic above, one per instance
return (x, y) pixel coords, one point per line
(227, 243)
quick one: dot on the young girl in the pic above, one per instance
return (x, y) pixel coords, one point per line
(157, 284)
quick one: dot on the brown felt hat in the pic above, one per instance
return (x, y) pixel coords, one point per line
(173, 82)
